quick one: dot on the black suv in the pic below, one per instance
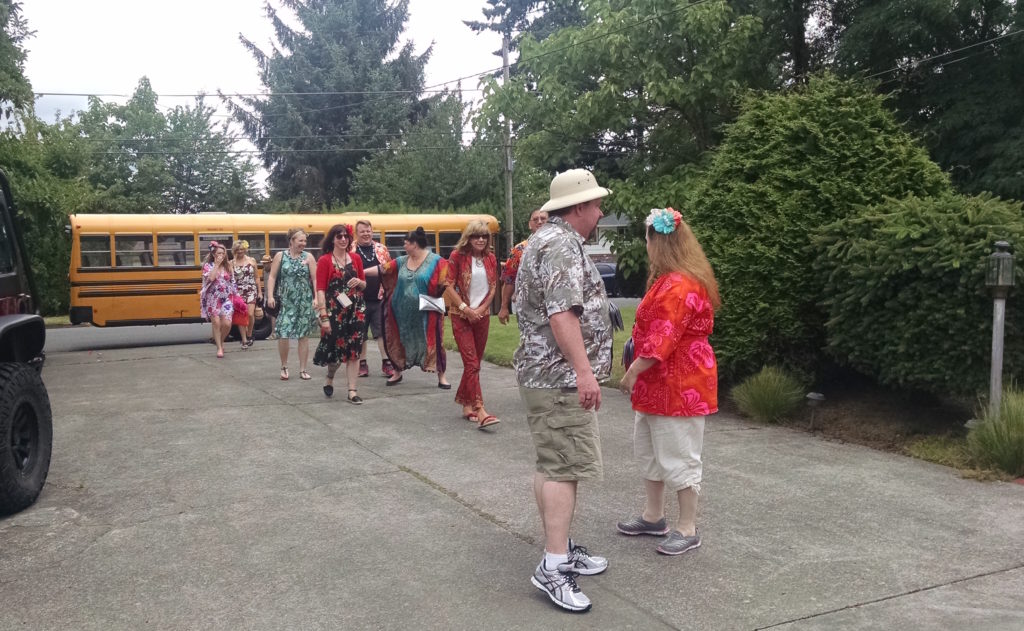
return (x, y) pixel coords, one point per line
(26, 423)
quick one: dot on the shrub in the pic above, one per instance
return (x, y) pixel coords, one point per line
(999, 442)
(905, 291)
(770, 395)
(791, 163)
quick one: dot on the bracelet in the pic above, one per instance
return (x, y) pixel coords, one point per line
(324, 319)
(463, 306)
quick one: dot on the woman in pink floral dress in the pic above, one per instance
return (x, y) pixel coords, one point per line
(215, 295)
(673, 382)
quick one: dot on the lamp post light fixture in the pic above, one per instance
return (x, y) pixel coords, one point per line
(999, 279)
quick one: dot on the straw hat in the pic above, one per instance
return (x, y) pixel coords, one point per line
(575, 186)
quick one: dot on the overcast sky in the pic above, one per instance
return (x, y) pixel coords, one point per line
(190, 46)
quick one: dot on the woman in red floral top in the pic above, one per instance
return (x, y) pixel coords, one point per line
(673, 382)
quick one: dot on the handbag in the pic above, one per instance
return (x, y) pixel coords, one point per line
(240, 311)
(628, 353)
(429, 303)
(274, 311)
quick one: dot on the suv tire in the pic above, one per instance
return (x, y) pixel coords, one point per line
(26, 436)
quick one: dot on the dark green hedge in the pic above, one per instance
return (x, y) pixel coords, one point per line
(905, 291)
(790, 164)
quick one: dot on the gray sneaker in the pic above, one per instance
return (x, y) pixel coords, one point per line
(637, 526)
(561, 588)
(581, 562)
(678, 543)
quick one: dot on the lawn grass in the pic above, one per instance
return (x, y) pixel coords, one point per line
(953, 451)
(61, 320)
(502, 341)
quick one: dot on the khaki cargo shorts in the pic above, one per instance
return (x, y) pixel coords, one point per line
(565, 435)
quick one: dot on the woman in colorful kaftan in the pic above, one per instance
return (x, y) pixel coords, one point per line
(414, 336)
(340, 282)
(673, 382)
(215, 294)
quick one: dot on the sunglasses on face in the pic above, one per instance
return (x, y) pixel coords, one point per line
(479, 236)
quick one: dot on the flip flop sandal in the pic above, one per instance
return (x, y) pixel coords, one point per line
(471, 417)
(487, 421)
(284, 373)
(305, 376)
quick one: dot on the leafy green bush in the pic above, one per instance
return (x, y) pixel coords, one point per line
(999, 442)
(769, 396)
(789, 164)
(905, 291)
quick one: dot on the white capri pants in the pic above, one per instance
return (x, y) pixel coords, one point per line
(668, 448)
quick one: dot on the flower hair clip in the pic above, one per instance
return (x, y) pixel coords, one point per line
(214, 245)
(244, 244)
(664, 220)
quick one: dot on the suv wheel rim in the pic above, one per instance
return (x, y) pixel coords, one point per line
(24, 436)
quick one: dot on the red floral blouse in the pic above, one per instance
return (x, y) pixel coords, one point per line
(672, 325)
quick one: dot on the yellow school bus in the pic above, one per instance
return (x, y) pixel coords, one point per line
(147, 269)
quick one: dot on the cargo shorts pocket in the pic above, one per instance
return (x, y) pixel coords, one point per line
(572, 433)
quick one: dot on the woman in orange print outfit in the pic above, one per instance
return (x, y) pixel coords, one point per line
(673, 382)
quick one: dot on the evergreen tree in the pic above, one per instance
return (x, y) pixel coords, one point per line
(955, 72)
(339, 89)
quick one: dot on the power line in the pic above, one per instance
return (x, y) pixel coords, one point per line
(255, 94)
(276, 151)
(917, 63)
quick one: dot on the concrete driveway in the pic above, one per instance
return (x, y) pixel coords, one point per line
(188, 492)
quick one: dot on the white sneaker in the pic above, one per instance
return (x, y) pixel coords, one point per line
(561, 588)
(581, 562)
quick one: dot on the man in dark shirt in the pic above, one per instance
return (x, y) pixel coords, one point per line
(373, 254)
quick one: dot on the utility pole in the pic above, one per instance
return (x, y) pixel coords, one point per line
(508, 147)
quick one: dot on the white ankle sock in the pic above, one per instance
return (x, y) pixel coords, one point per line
(551, 561)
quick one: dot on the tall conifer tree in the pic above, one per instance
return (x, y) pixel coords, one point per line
(340, 86)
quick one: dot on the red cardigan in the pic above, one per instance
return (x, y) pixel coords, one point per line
(462, 275)
(326, 269)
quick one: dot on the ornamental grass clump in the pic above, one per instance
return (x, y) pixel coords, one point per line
(999, 442)
(769, 396)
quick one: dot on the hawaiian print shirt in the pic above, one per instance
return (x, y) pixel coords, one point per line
(672, 325)
(508, 273)
(555, 276)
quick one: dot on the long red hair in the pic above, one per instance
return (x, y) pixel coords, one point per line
(680, 252)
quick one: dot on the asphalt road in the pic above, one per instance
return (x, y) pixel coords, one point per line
(191, 492)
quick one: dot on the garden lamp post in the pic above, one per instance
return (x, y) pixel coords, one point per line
(814, 399)
(999, 279)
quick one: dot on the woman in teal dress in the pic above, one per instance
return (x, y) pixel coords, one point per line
(413, 337)
(292, 278)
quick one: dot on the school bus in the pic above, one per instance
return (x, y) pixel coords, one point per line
(130, 270)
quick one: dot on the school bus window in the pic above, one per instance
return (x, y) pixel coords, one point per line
(448, 241)
(278, 243)
(133, 250)
(206, 239)
(95, 250)
(395, 243)
(257, 244)
(313, 242)
(175, 250)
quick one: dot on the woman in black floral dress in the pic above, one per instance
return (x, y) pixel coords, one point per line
(339, 287)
